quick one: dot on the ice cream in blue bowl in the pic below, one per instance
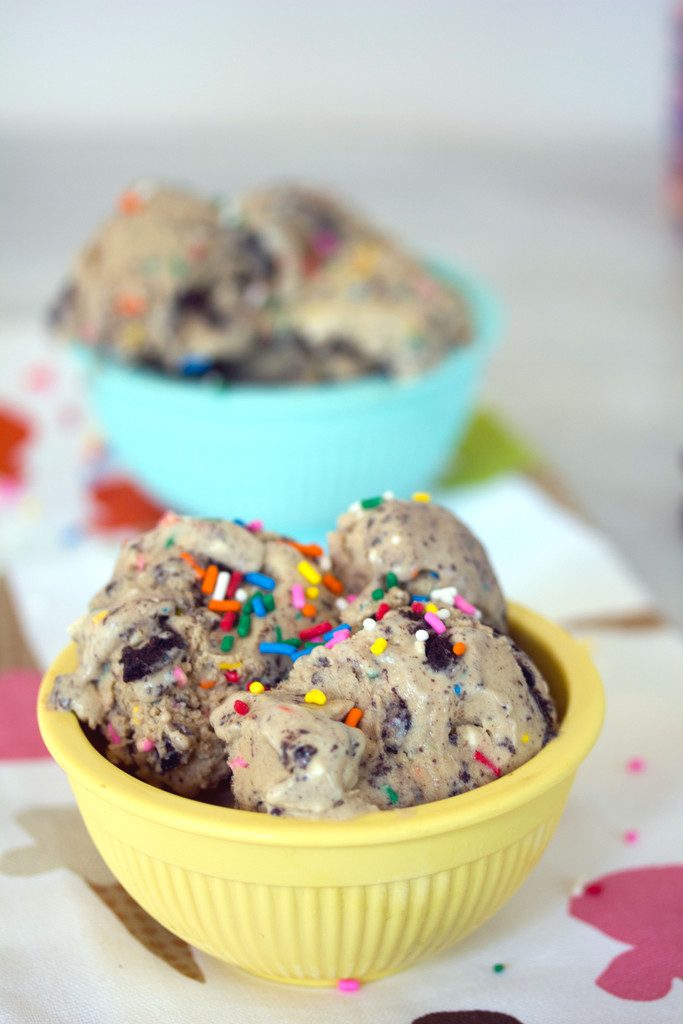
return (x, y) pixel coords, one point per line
(275, 364)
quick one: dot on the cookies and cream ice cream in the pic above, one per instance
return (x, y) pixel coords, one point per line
(309, 685)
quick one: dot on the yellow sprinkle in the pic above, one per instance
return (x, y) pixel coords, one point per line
(379, 645)
(256, 687)
(421, 496)
(137, 717)
(312, 592)
(229, 665)
(309, 572)
(525, 737)
(431, 607)
(315, 697)
(99, 616)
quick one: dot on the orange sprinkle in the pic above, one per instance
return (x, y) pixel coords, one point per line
(192, 563)
(130, 304)
(459, 648)
(333, 584)
(309, 610)
(225, 606)
(353, 718)
(308, 550)
(210, 577)
(207, 684)
(130, 202)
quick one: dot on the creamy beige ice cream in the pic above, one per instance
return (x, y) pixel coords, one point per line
(223, 654)
(285, 284)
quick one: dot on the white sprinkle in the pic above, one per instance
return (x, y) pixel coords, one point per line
(396, 539)
(369, 623)
(325, 563)
(422, 635)
(222, 581)
(355, 507)
(374, 556)
(443, 595)
(240, 594)
(341, 604)
(388, 495)
(444, 613)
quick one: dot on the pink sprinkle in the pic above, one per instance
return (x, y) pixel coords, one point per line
(238, 762)
(168, 518)
(341, 634)
(140, 561)
(10, 490)
(113, 735)
(40, 377)
(465, 607)
(631, 836)
(144, 746)
(325, 243)
(348, 984)
(351, 598)
(256, 526)
(483, 759)
(594, 889)
(179, 676)
(298, 596)
(435, 622)
(636, 765)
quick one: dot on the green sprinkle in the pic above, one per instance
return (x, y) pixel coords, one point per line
(269, 602)
(393, 797)
(372, 673)
(498, 968)
(371, 502)
(377, 594)
(170, 542)
(295, 641)
(392, 580)
(227, 642)
(244, 625)
(278, 635)
(246, 607)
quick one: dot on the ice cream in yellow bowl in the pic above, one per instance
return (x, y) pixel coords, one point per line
(314, 901)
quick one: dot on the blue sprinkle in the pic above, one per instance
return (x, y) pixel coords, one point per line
(239, 522)
(258, 606)
(458, 689)
(259, 579)
(194, 366)
(344, 625)
(420, 597)
(273, 648)
(300, 654)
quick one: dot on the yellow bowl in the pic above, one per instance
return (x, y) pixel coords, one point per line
(310, 902)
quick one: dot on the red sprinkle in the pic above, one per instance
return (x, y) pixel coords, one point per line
(483, 759)
(232, 676)
(241, 708)
(382, 611)
(418, 607)
(593, 890)
(228, 621)
(235, 580)
(311, 631)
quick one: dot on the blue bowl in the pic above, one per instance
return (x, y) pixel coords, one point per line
(294, 455)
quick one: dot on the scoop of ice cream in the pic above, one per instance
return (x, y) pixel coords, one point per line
(376, 306)
(420, 546)
(164, 283)
(289, 757)
(219, 647)
(444, 709)
(195, 608)
(306, 229)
